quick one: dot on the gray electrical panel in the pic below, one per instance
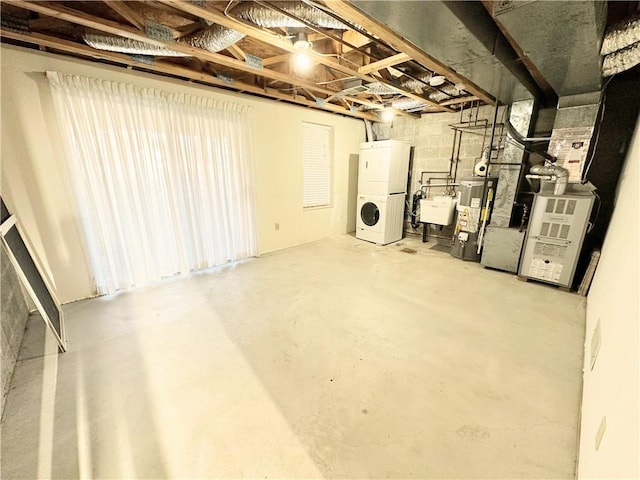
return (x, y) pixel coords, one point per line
(554, 238)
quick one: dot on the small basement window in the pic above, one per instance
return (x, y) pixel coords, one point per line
(317, 150)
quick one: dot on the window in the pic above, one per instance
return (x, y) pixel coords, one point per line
(163, 181)
(316, 164)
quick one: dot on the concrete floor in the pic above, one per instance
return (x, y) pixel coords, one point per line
(337, 359)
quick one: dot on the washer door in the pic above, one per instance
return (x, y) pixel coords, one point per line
(370, 214)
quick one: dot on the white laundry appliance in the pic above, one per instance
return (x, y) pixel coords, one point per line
(383, 167)
(380, 218)
(382, 186)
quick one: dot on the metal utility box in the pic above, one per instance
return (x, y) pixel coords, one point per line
(554, 239)
(471, 190)
(502, 247)
(438, 210)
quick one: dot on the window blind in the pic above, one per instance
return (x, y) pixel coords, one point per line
(316, 164)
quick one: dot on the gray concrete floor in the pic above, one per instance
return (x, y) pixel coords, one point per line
(337, 359)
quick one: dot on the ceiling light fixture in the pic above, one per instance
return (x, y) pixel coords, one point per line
(302, 61)
(301, 42)
(437, 80)
(387, 114)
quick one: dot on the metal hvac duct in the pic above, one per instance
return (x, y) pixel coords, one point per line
(554, 173)
(463, 36)
(215, 38)
(621, 47)
(264, 16)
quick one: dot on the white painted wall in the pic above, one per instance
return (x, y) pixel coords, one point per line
(36, 186)
(612, 388)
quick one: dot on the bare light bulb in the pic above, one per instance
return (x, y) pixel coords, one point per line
(302, 61)
(387, 115)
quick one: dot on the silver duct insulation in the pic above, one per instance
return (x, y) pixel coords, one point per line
(418, 85)
(113, 43)
(452, 90)
(621, 60)
(621, 35)
(266, 17)
(213, 38)
(438, 96)
(621, 47)
(216, 37)
(380, 89)
(408, 104)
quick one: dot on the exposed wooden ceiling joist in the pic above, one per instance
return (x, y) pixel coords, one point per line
(350, 67)
(284, 43)
(349, 12)
(167, 68)
(384, 63)
(127, 13)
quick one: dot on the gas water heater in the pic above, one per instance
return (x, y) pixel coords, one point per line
(474, 208)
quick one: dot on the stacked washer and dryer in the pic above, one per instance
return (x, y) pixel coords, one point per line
(382, 187)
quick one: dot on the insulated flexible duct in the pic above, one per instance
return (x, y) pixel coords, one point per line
(113, 43)
(213, 38)
(380, 89)
(407, 104)
(269, 18)
(216, 37)
(621, 47)
(621, 35)
(621, 60)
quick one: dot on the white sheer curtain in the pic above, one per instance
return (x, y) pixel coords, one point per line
(164, 182)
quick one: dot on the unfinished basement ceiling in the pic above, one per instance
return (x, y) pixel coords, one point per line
(249, 47)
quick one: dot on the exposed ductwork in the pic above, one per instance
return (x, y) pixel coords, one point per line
(376, 88)
(215, 38)
(463, 36)
(266, 17)
(621, 47)
(407, 104)
(621, 60)
(114, 43)
(621, 35)
(561, 39)
(559, 176)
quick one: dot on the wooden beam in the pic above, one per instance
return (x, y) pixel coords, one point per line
(43, 23)
(81, 18)
(277, 59)
(279, 41)
(237, 52)
(349, 12)
(167, 68)
(126, 12)
(384, 63)
(354, 38)
(188, 29)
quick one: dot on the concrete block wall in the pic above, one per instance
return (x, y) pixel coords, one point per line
(14, 313)
(432, 138)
